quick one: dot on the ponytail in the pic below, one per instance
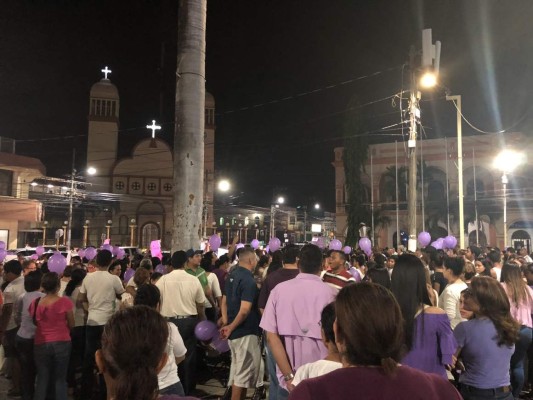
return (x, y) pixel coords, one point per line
(138, 384)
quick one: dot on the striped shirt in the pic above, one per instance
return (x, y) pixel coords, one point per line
(338, 281)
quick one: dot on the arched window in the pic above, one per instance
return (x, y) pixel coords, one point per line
(479, 187)
(221, 221)
(436, 191)
(149, 232)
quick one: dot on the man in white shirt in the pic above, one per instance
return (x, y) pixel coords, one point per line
(182, 303)
(98, 293)
(449, 298)
(8, 326)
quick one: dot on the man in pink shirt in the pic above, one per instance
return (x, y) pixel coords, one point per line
(292, 318)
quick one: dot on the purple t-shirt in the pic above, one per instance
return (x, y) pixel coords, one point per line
(273, 280)
(293, 312)
(372, 383)
(486, 363)
(433, 344)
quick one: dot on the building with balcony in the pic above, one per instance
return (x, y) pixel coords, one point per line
(437, 199)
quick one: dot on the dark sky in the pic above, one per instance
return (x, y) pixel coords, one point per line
(51, 52)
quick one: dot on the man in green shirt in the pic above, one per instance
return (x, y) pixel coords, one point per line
(194, 257)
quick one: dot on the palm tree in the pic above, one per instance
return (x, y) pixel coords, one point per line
(189, 133)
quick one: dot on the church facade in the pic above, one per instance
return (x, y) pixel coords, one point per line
(140, 186)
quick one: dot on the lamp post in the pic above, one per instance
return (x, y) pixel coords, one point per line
(506, 162)
(108, 229)
(214, 227)
(227, 230)
(65, 224)
(256, 231)
(133, 225)
(273, 207)
(45, 224)
(85, 232)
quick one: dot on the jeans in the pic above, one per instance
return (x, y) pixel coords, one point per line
(517, 360)
(187, 368)
(51, 361)
(272, 375)
(283, 394)
(176, 388)
(27, 366)
(93, 336)
(468, 394)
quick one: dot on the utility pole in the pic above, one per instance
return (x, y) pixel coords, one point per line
(414, 111)
(71, 201)
(190, 122)
(457, 101)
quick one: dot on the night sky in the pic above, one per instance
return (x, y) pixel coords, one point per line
(51, 52)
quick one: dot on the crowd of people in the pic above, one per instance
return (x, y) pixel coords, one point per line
(300, 323)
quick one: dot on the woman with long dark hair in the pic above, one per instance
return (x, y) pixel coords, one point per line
(521, 298)
(428, 335)
(134, 342)
(486, 343)
(371, 347)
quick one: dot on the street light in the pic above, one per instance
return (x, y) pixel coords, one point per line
(506, 162)
(428, 80)
(91, 171)
(86, 232)
(108, 228)
(317, 206)
(281, 200)
(133, 225)
(224, 185)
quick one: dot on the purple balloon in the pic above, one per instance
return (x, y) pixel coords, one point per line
(2, 244)
(220, 345)
(121, 253)
(335, 244)
(205, 330)
(39, 250)
(107, 247)
(274, 244)
(160, 268)
(254, 244)
(34, 257)
(3, 254)
(214, 242)
(267, 248)
(239, 246)
(90, 253)
(129, 274)
(365, 244)
(81, 253)
(450, 242)
(424, 238)
(347, 250)
(321, 242)
(57, 263)
(368, 252)
(437, 244)
(115, 250)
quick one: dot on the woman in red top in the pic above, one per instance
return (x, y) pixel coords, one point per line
(54, 319)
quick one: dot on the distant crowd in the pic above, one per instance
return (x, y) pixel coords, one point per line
(297, 323)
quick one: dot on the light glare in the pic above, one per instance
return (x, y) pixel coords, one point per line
(224, 185)
(428, 80)
(507, 160)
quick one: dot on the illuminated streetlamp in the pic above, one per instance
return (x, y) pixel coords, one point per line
(86, 232)
(224, 185)
(45, 224)
(108, 229)
(428, 80)
(227, 229)
(91, 171)
(133, 225)
(506, 162)
(65, 224)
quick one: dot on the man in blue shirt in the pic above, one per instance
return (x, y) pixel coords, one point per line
(240, 318)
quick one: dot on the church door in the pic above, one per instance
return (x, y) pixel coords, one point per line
(149, 232)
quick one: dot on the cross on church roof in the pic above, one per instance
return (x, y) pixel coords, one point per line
(106, 71)
(153, 127)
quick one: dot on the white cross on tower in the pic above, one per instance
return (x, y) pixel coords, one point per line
(154, 128)
(106, 71)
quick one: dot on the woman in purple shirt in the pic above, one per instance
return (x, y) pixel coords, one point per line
(369, 337)
(428, 335)
(486, 343)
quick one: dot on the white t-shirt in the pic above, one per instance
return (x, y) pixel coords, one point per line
(214, 285)
(449, 302)
(79, 313)
(180, 292)
(102, 289)
(498, 271)
(13, 291)
(63, 285)
(175, 348)
(314, 369)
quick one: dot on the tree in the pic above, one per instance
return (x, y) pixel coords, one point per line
(189, 130)
(354, 157)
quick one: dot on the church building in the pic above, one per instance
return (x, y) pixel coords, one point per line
(141, 185)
